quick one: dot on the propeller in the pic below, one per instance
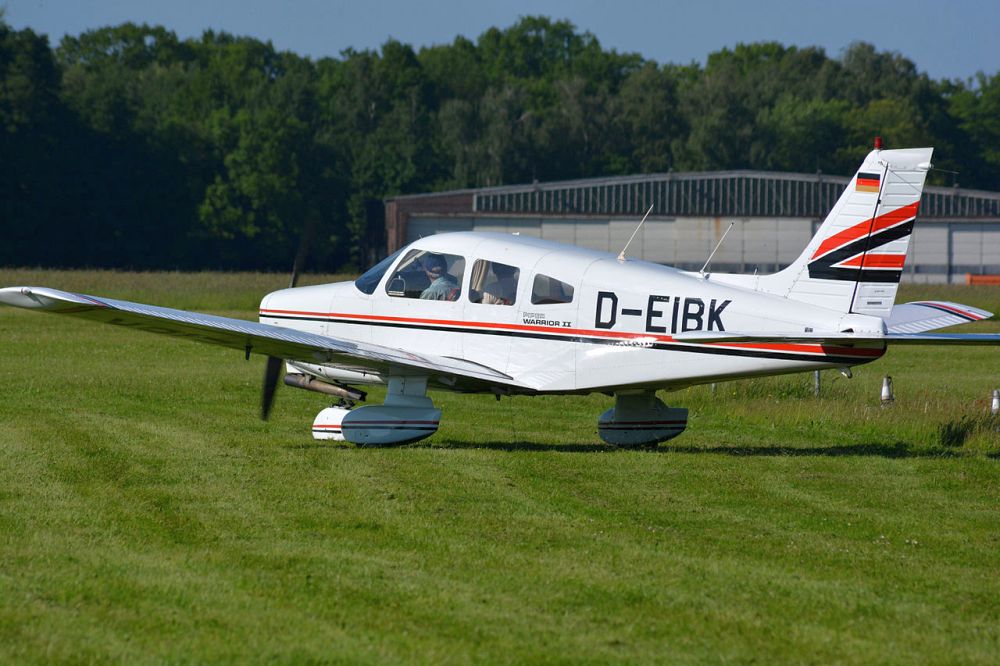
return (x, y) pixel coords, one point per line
(272, 373)
(272, 370)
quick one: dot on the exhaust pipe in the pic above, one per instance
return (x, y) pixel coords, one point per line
(310, 383)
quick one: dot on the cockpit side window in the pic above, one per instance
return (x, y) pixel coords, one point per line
(549, 291)
(493, 283)
(428, 275)
(369, 280)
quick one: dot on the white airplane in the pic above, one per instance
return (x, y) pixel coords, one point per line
(515, 315)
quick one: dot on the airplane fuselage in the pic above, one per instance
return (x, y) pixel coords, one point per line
(606, 325)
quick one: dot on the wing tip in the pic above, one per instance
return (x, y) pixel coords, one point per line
(44, 298)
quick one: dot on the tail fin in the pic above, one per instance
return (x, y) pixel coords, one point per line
(855, 260)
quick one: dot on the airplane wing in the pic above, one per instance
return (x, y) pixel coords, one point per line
(253, 337)
(920, 316)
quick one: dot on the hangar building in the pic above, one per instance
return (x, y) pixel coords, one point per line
(773, 216)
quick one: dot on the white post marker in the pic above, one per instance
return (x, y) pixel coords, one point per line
(887, 397)
(995, 405)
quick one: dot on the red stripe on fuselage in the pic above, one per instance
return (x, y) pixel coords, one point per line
(619, 335)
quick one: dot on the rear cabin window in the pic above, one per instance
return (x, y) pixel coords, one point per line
(431, 276)
(493, 283)
(549, 291)
(369, 280)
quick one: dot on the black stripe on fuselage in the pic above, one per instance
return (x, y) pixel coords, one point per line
(619, 342)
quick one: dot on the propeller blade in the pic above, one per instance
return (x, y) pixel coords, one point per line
(305, 241)
(272, 372)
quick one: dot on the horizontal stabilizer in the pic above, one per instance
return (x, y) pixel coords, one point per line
(842, 339)
(920, 316)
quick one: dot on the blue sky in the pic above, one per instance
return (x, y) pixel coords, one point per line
(946, 39)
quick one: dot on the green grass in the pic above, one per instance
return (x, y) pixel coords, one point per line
(147, 515)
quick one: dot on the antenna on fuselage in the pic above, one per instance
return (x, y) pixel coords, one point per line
(717, 246)
(621, 255)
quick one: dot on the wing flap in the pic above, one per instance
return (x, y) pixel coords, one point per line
(249, 336)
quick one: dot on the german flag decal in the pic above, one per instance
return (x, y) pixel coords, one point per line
(867, 182)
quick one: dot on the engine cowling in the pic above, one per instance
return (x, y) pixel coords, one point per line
(641, 420)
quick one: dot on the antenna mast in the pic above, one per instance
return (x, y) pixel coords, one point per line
(717, 246)
(621, 255)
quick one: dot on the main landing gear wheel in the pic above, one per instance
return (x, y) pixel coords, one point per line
(641, 419)
(407, 415)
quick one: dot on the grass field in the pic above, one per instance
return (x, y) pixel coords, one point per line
(146, 515)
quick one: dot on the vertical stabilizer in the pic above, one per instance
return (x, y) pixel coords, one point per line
(855, 260)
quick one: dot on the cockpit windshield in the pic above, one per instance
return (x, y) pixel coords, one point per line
(369, 279)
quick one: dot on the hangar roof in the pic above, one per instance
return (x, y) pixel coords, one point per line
(710, 193)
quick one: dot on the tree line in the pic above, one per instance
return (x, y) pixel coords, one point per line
(128, 147)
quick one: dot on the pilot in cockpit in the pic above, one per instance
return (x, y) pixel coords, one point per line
(443, 286)
(503, 290)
